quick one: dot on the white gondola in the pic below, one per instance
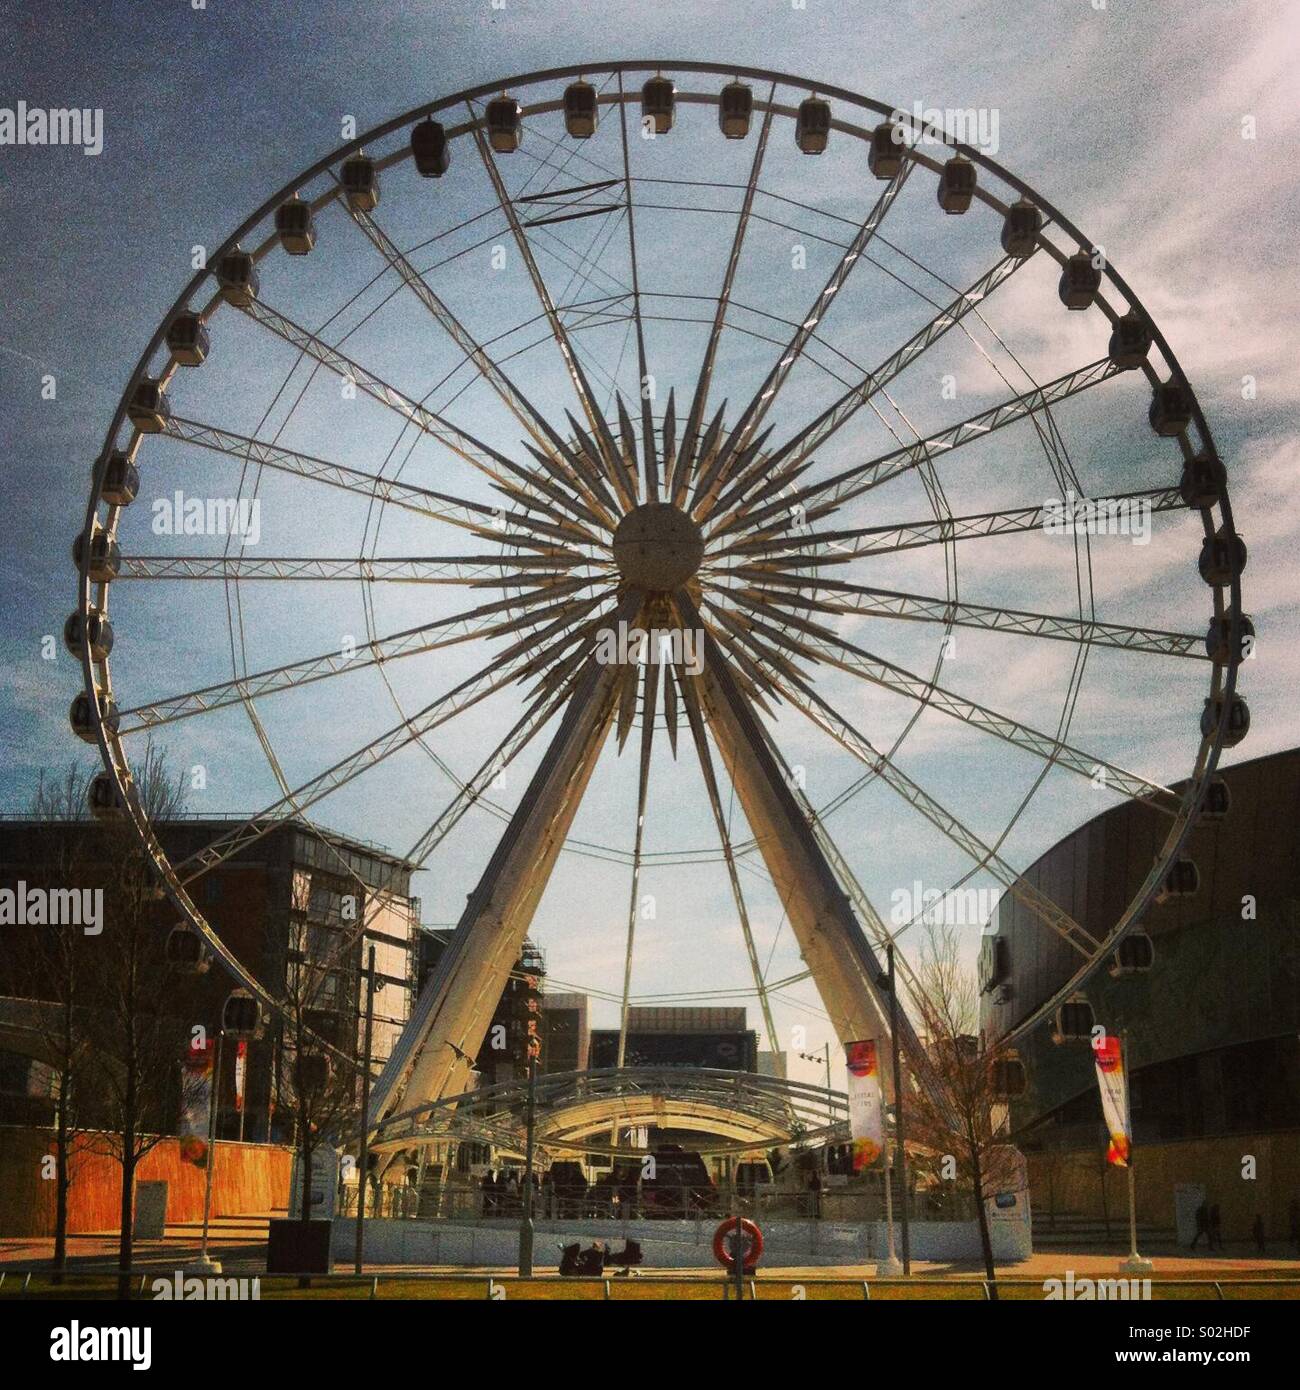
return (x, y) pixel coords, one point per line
(1135, 955)
(1204, 478)
(103, 798)
(1130, 342)
(956, 185)
(1170, 411)
(360, 180)
(1020, 229)
(185, 952)
(236, 274)
(1080, 281)
(1182, 881)
(580, 111)
(81, 715)
(1238, 719)
(658, 103)
(885, 153)
(120, 483)
(295, 226)
(1218, 640)
(812, 127)
(505, 124)
(735, 110)
(241, 1015)
(99, 629)
(103, 560)
(148, 409)
(1075, 1021)
(1223, 555)
(430, 149)
(188, 340)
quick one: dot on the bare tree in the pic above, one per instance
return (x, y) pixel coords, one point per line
(48, 972)
(961, 1119)
(138, 1019)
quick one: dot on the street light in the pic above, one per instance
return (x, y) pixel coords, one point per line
(241, 1018)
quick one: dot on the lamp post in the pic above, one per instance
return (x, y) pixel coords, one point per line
(241, 1019)
(363, 1158)
(899, 1136)
(526, 1222)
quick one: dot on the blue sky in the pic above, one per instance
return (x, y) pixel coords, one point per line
(1130, 118)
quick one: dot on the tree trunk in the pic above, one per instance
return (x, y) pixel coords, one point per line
(304, 1186)
(124, 1240)
(62, 1181)
(982, 1216)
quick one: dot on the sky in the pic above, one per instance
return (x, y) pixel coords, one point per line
(1165, 131)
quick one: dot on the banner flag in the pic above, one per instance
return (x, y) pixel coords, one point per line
(241, 1072)
(196, 1069)
(866, 1103)
(1114, 1098)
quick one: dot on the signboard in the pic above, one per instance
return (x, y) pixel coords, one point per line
(1114, 1098)
(196, 1095)
(866, 1103)
(324, 1185)
(150, 1210)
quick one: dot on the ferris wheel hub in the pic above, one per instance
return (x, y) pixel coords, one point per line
(658, 547)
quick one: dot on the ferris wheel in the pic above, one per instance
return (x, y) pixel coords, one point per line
(650, 414)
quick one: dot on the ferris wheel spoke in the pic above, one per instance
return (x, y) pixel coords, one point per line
(461, 627)
(695, 719)
(486, 459)
(832, 493)
(823, 714)
(800, 446)
(704, 498)
(538, 428)
(500, 673)
(406, 569)
(839, 547)
(699, 402)
(442, 506)
(864, 601)
(576, 375)
(650, 458)
(848, 656)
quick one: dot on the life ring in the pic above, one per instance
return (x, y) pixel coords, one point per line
(749, 1232)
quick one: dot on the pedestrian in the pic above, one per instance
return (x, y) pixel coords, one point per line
(1216, 1228)
(815, 1187)
(1258, 1231)
(1202, 1225)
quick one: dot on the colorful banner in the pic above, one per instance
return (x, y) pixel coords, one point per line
(866, 1103)
(1114, 1098)
(241, 1073)
(196, 1097)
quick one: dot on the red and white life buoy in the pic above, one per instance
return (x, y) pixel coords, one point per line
(726, 1234)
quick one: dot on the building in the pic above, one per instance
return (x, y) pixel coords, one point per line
(566, 1033)
(680, 1037)
(295, 904)
(503, 1055)
(1210, 1027)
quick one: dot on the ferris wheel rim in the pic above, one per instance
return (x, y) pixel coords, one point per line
(1224, 682)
